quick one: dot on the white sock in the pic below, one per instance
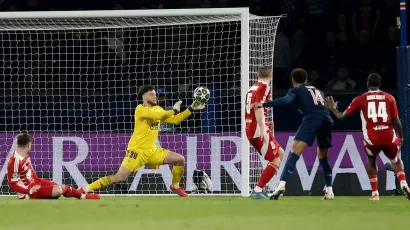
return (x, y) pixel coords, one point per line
(375, 193)
(258, 189)
(176, 186)
(329, 190)
(82, 196)
(282, 184)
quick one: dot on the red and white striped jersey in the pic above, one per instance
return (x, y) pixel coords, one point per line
(258, 93)
(376, 110)
(21, 174)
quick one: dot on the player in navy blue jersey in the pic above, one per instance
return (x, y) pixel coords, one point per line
(316, 123)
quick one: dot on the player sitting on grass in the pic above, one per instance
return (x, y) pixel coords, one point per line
(142, 149)
(316, 123)
(24, 181)
(380, 119)
(258, 133)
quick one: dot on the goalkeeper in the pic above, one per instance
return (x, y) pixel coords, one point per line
(141, 148)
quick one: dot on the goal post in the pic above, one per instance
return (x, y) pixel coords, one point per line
(70, 79)
(125, 13)
(245, 148)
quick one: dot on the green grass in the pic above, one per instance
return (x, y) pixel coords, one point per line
(196, 213)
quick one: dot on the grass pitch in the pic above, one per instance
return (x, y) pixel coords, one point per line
(219, 213)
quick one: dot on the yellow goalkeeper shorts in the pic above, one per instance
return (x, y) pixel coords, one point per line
(136, 158)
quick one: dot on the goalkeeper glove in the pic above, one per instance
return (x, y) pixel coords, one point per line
(197, 105)
(177, 106)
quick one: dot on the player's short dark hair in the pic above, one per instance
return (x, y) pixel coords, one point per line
(23, 139)
(264, 72)
(374, 80)
(143, 89)
(299, 75)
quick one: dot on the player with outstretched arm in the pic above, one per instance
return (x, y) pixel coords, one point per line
(24, 181)
(142, 149)
(259, 135)
(380, 122)
(316, 123)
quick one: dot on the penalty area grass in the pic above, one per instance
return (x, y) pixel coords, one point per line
(196, 213)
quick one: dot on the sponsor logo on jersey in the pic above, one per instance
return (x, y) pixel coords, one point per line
(154, 126)
(380, 127)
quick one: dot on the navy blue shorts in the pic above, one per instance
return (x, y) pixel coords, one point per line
(310, 129)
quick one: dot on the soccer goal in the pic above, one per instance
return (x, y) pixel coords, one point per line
(70, 79)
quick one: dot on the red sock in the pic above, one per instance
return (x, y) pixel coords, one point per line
(266, 175)
(71, 192)
(374, 183)
(401, 176)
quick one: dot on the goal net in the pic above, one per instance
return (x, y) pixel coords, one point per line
(70, 79)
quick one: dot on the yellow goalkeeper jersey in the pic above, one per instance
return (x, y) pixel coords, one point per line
(147, 123)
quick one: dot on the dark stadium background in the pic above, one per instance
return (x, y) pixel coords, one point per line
(318, 35)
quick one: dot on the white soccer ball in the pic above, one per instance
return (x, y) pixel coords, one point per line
(201, 94)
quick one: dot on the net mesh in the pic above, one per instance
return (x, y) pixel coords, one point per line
(262, 41)
(72, 84)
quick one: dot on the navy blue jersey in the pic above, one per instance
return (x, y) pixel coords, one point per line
(311, 102)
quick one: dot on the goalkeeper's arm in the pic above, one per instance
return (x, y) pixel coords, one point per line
(147, 113)
(175, 119)
(184, 115)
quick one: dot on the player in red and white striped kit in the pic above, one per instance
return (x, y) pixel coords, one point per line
(380, 122)
(260, 132)
(24, 181)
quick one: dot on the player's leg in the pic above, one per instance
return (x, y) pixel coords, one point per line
(272, 152)
(371, 168)
(398, 168)
(298, 147)
(122, 174)
(178, 164)
(44, 182)
(60, 190)
(290, 165)
(389, 167)
(327, 172)
(392, 151)
(131, 163)
(304, 137)
(270, 170)
(70, 192)
(324, 141)
(47, 192)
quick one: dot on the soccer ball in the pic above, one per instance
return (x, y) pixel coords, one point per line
(201, 94)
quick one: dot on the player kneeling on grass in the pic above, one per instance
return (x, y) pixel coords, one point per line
(259, 135)
(380, 119)
(142, 149)
(24, 181)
